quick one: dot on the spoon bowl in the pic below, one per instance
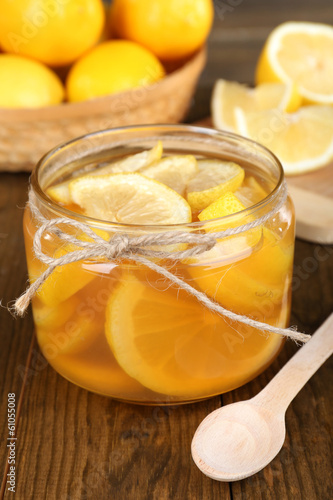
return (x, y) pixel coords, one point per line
(251, 435)
(238, 440)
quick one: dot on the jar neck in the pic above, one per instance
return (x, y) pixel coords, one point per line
(75, 158)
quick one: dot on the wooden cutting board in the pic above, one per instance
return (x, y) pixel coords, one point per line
(312, 194)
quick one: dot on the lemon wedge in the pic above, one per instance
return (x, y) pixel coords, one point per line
(227, 204)
(61, 194)
(129, 198)
(229, 95)
(173, 171)
(214, 178)
(302, 141)
(235, 246)
(301, 53)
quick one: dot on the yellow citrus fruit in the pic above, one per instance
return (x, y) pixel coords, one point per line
(61, 194)
(111, 67)
(227, 204)
(171, 29)
(302, 141)
(129, 198)
(214, 178)
(66, 280)
(55, 32)
(166, 340)
(301, 53)
(229, 95)
(247, 282)
(134, 162)
(173, 171)
(246, 285)
(25, 83)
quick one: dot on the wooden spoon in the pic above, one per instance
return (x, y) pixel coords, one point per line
(240, 439)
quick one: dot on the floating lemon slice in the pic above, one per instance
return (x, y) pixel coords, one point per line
(301, 53)
(129, 199)
(215, 177)
(173, 171)
(173, 345)
(302, 141)
(61, 194)
(133, 163)
(229, 95)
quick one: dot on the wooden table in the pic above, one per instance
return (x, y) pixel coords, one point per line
(72, 444)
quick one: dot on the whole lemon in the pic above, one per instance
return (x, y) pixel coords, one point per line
(110, 67)
(171, 29)
(25, 83)
(55, 32)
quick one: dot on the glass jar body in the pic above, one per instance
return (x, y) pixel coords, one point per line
(121, 329)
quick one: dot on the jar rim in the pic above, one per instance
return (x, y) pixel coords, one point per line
(61, 211)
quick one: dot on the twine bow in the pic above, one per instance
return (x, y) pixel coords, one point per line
(140, 249)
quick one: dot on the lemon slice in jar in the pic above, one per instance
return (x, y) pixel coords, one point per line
(61, 193)
(214, 178)
(227, 204)
(243, 285)
(66, 280)
(173, 171)
(135, 162)
(130, 199)
(170, 343)
(230, 247)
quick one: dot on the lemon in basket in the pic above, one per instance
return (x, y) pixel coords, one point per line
(25, 83)
(171, 29)
(53, 32)
(111, 67)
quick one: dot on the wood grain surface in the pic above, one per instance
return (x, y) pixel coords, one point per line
(73, 445)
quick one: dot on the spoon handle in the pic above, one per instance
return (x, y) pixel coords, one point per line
(282, 389)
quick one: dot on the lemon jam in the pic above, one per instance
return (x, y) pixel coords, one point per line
(120, 328)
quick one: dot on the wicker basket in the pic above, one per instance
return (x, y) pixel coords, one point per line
(25, 135)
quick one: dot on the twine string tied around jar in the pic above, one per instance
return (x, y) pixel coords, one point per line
(139, 250)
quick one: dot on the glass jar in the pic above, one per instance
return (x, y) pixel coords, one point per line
(121, 329)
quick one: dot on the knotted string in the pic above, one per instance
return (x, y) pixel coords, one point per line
(138, 249)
